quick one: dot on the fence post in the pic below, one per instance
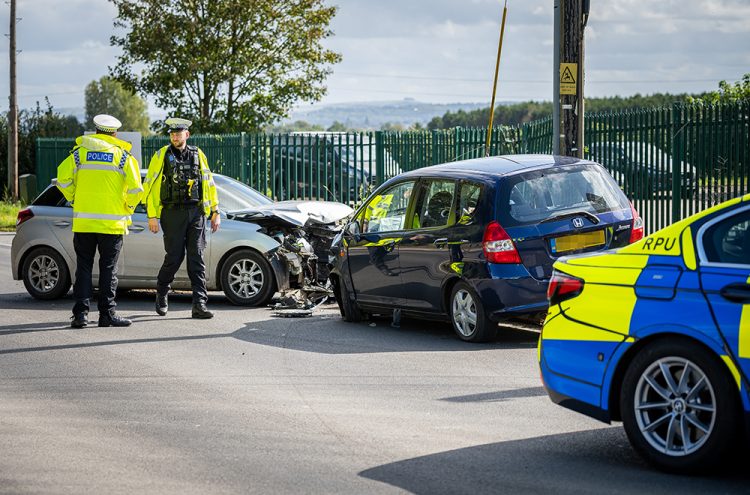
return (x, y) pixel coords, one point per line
(243, 165)
(379, 158)
(456, 148)
(676, 160)
(434, 147)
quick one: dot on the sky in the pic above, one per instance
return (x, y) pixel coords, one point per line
(430, 50)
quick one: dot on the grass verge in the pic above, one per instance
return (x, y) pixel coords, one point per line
(8, 212)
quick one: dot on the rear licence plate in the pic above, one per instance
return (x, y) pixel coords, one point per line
(576, 242)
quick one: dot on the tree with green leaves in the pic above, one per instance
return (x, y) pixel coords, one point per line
(32, 124)
(296, 126)
(228, 65)
(728, 92)
(109, 96)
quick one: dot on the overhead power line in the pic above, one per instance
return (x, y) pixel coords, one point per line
(526, 81)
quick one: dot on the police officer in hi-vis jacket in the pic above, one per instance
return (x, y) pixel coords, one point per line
(181, 196)
(102, 181)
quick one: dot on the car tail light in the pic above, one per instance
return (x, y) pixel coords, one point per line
(636, 232)
(498, 246)
(562, 287)
(23, 215)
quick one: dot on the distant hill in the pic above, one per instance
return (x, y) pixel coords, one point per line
(372, 115)
(356, 115)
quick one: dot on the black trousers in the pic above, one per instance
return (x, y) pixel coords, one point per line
(184, 232)
(86, 245)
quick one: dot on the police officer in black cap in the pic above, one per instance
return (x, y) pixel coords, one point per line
(181, 196)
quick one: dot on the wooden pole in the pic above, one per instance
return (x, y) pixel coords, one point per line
(571, 78)
(494, 86)
(13, 110)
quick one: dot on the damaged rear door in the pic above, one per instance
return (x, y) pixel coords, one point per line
(373, 253)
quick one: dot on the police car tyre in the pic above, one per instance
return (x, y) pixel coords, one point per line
(45, 274)
(680, 406)
(247, 278)
(469, 320)
(349, 310)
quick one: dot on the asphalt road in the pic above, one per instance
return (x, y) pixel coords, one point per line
(249, 403)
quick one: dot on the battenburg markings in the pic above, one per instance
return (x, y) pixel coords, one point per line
(98, 156)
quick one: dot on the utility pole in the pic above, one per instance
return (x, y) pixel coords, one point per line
(568, 105)
(13, 110)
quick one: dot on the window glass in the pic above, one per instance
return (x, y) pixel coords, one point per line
(434, 204)
(729, 240)
(534, 196)
(468, 199)
(387, 211)
(51, 196)
(234, 195)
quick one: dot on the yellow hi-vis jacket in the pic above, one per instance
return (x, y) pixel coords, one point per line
(154, 178)
(102, 180)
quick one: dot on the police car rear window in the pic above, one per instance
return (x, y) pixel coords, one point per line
(534, 196)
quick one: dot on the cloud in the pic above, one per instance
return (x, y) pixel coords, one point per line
(433, 50)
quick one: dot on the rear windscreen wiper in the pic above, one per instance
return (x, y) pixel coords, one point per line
(594, 219)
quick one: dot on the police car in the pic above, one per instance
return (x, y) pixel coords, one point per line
(657, 335)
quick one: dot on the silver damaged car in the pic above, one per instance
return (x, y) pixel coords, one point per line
(262, 247)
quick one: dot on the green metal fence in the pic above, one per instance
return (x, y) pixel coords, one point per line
(671, 162)
(49, 153)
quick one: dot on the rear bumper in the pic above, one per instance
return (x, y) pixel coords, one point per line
(511, 292)
(569, 393)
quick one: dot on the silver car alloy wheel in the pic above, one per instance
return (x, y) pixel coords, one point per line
(44, 274)
(675, 406)
(464, 313)
(245, 278)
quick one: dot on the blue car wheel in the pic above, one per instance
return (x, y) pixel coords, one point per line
(470, 322)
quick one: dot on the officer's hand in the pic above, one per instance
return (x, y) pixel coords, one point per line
(153, 225)
(215, 222)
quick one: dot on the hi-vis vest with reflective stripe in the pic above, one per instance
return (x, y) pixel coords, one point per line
(155, 177)
(103, 182)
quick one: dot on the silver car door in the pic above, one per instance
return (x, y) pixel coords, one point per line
(60, 222)
(143, 252)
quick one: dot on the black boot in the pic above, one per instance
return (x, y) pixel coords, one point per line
(112, 320)
(200, 311)
(80, 320)
(162, 304)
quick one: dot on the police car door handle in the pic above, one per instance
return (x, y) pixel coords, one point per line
(137, 228)
(736, 293)
(62, 223)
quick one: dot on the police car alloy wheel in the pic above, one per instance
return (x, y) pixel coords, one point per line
(45, 274)
(680, 406)
(467, 315)
(247, 279)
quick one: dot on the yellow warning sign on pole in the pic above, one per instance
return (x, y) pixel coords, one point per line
(568, 74)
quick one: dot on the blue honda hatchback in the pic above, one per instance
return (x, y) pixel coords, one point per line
(474, 241)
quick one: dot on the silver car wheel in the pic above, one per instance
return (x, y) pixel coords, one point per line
(245, 278)
(464, 313)
(44, 274)
(675, 406)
